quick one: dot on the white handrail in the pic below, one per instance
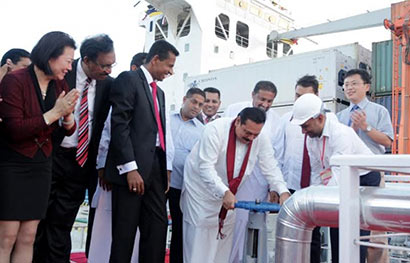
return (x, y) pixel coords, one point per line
(349, 210)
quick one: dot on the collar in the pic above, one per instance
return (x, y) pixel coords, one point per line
(362, 104)
(326, 128)
(212, 118)
(194, 121)
(147, 75)
(81, 76)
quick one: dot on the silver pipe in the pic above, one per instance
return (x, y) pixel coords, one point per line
(382, 209)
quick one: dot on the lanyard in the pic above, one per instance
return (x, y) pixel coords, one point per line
(322, 154)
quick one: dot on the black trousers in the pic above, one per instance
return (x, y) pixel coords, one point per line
(69, 183)
(174, 196)
(146, 212)
(315, 244)
(370, 179)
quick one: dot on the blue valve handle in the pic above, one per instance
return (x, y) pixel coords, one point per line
(258, 207)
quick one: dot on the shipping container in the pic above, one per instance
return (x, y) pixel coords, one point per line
(236, 83)
(382, 68)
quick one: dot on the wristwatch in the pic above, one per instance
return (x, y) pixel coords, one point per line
(368, 128)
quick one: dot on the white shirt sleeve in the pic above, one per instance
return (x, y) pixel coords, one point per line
(279, 142)
(104, 142)
(209, 149)
(269, 166)
(128, 167)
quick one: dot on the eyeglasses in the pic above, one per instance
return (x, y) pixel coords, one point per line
(352, 84)
(105, 67)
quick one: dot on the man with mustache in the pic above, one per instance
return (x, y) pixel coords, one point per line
(74, 157)
(256, 186)
(211, 105)
(215, 169)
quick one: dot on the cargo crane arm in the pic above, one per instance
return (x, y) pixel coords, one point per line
(366, 20)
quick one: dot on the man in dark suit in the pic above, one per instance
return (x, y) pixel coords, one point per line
(74, 157)
(136, 162)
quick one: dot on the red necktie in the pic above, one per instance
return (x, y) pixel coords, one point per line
(305, 180)
(157, 117)
(82, 147)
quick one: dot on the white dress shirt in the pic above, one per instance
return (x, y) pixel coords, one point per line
(338, 139)
(269, 128)
(106, 138)
(289, 142)
(205, 175)
(81, 77)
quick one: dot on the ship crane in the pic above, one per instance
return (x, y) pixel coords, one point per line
(397, 19)
(366, 20)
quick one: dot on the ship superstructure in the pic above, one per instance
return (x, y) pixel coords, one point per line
(214, 34)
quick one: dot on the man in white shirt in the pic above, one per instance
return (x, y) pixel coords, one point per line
(328, 137)
(227, 152)
(290, 149)
(256, 186)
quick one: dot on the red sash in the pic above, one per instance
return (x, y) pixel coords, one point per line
(230, 163)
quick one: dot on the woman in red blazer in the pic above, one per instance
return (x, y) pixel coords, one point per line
(36, 100)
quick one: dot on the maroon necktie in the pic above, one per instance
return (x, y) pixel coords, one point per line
(157, 117)
(230, 163)
(82, 147)
(305, 180)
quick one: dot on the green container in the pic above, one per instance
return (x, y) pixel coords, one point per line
(382, 68)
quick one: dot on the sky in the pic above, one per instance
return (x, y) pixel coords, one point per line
(25, 21)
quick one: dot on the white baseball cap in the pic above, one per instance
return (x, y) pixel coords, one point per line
(306, 107)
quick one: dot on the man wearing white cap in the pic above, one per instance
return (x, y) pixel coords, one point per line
(328, 137)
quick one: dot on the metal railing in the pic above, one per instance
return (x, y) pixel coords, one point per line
(349, 210)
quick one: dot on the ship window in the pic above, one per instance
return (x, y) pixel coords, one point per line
(222, 26)
(184, 24)
(271, 48)
(161, 29)
(287, 49)
(242, 34)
